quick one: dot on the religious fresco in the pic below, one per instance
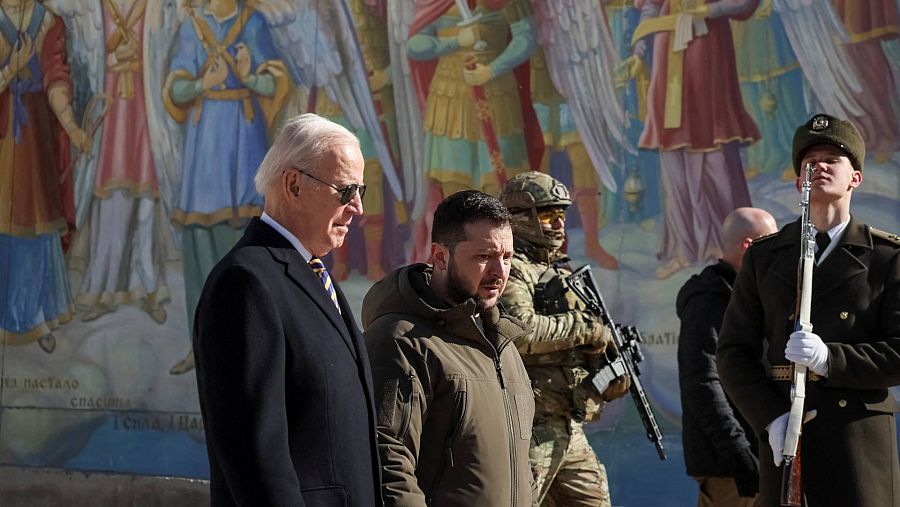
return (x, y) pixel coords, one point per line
(130, 132)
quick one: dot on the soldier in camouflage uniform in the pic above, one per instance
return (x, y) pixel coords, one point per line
(565, 344)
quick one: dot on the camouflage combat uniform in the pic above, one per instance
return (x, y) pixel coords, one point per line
(563, 345)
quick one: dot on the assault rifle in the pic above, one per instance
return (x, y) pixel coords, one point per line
(627, 340)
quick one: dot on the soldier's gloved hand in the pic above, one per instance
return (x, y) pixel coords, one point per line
(809, 350)
(777, 430)
(745, 471)
(617, 388)
(598, 336)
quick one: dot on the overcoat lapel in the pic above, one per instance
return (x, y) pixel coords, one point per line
(306, 279)
(301, 274)
(848, 260)
(786, 254)
(347, 316)
(359, 346)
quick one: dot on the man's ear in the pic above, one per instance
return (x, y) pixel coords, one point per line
(855, 179)
(291, 183)
(440, 256)
(799, 184)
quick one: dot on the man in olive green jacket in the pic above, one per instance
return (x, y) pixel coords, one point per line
(454, 401)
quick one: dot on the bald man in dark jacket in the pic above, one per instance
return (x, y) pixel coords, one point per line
(719, 444)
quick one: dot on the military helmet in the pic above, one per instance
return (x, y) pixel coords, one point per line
(527, 192)
(531, 190)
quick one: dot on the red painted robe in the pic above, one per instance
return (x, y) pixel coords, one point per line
(712, 110)
(37, 193)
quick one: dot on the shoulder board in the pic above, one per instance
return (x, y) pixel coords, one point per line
(893, 238)
(764, 238)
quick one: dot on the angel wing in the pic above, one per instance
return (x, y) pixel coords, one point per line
(409, 117)
(581, 59)
(316, 39)
(86, 53)
(815, 32)
(161, 21)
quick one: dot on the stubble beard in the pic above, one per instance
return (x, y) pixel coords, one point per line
(459, 294)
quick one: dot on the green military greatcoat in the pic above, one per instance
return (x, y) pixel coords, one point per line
(849, 450)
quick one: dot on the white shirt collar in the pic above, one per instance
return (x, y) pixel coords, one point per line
(835, 234)
(287, 235)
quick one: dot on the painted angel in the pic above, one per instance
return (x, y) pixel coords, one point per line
(374, 244)
(465, 67)
(37, 128)
(122, 187)
(696, 120)
(772, 88)
(580, 112)
(839, 46)
(231, 68)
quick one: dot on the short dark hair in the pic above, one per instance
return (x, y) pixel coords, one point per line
(462, 208)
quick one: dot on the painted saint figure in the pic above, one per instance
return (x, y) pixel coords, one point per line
(697, 121)
(457, 154)
(561, 135)
(869, 24)
(226, 86)
(36, 207)
(772, 88)
(372, 34)
(121, 246)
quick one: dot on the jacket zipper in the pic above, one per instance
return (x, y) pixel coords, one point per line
(510, 427)
(510, 431)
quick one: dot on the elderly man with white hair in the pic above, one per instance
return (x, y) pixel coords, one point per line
(282, 371)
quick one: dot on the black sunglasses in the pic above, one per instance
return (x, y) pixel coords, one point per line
(347, 192)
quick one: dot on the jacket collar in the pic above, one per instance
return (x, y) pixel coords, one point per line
(499, 327)
(847, 260)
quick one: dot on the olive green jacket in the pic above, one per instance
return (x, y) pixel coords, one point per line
(454, 403)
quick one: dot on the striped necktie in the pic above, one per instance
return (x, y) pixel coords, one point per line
(318, 268)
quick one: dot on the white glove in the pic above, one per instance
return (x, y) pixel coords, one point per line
(777, 430)
(809, 350)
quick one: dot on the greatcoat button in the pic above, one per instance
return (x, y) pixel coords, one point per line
(844, 315)
(842, 403)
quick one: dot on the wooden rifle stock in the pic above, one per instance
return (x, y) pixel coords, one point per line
(790, 481)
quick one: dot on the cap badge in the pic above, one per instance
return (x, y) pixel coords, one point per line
(820, 123)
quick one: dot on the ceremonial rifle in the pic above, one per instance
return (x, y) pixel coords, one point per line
(791, 474)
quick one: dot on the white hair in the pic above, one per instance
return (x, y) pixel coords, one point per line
(301, 142)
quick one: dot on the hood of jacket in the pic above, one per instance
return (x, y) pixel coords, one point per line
(407, 291)
(714, 279)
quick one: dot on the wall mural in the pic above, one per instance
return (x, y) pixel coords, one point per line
(130, 132)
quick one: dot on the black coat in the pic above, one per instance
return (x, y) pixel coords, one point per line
(284, 382)
(849, 451)
(713, 431)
